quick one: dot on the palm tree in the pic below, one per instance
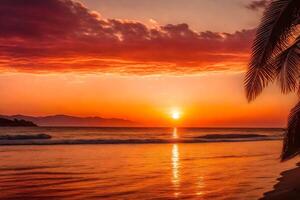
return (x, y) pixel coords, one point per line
(276, 56)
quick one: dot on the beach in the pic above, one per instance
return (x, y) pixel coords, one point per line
(288, 186)
(209, 170)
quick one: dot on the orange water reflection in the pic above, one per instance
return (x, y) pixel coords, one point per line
(175, 165)
(210, 171)
(175, 169)
(200, 186)
(175, 133)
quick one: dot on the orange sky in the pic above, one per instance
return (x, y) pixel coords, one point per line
(213, 99)
(99, 58)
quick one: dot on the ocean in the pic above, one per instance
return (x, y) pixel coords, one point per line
(139, 163)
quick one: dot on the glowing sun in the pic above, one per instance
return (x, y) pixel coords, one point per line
(175, 115)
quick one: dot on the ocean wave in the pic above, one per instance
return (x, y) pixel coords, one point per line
(232, 136)
(135, 141)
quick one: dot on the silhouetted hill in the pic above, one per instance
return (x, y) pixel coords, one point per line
(65, 120)
(15, 122)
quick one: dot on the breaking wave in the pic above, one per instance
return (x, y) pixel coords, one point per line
(35, 140)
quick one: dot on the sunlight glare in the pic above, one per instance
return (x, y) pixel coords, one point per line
(175, 115)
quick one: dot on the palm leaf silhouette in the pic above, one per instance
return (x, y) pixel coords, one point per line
(276, 56)
(291, 143)
(278, 24)
(287, 67)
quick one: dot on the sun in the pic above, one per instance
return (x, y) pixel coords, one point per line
(175, 115)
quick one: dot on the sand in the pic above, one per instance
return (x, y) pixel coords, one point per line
(288, 187)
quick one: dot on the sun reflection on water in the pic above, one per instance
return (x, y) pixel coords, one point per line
(175, 134)
(200, 186)
(175, 169)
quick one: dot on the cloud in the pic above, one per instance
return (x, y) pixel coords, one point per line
(259, 4)
(63, 35)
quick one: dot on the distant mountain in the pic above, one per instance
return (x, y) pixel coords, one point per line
(65, 120)
(15, 122)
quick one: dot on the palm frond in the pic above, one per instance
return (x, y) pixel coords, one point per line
(287, 67)
(291, 143)
(257, 79)
(277, 26)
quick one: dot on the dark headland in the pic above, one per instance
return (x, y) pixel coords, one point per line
(73, 121)
(15, 122)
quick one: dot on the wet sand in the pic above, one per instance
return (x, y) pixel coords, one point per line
(288, 186)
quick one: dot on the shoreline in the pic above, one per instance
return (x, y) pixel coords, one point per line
(287, 187)
(124, 141)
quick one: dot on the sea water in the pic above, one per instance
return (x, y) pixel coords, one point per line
(140, 163)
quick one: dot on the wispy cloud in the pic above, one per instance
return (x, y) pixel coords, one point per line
(63, 35)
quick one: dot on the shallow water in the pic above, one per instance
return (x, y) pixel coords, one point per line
(239, 170)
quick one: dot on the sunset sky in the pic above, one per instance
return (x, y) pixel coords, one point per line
(133, 59)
